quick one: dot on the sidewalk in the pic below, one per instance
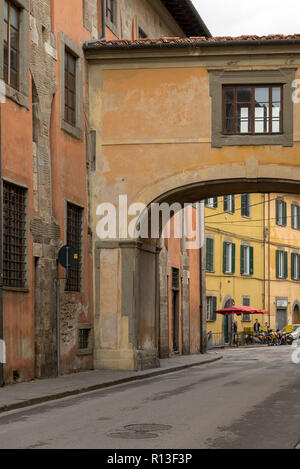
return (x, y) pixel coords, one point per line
(34, 392)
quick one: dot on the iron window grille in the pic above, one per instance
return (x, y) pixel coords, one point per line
(70, 88)
(252, 110)
(74, 239)
(14, 235)
(11, 44)
(175, 279)
(84, 339)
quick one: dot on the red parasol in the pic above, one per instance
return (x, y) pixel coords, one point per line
(238, 310)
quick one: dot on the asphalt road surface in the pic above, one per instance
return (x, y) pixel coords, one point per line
(250, 399)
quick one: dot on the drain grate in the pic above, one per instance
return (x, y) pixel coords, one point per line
(147, 427)
(139, 431)
(133, 435)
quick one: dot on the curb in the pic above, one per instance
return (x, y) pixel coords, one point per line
(108, 384)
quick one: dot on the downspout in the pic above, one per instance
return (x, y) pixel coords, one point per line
(202, 289)
(264, 257)
(2, 344)
(269, 260)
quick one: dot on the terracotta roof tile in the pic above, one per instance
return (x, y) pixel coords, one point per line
(190, 41)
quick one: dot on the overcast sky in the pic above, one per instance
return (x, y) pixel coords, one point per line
(260, 17)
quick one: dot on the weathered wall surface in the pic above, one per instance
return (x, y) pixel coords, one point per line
(153, 124)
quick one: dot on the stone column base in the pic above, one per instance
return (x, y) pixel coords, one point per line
(129, 360)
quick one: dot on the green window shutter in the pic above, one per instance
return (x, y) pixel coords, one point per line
(206, 202)
(243, 205)
(242, 260)
(298, 273)
(225, 203)
(233, 259)
(209, 254)
(251, 260)
(215, 202)
(293, 266)
(233, 204)
(224, 257)
(277, 263)
(285, 265)
(284, 215)
(293, 209)
(277, 211)
(214, 308)
(298, 218)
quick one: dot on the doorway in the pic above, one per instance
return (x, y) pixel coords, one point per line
(227, 323)
(175, 309)
(281, 318)
(296, 315)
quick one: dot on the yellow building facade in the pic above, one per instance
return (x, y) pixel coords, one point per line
(282, 214)
(235, 266)
(260, 234)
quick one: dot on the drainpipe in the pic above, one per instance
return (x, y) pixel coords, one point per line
(201, 220)
(269, 258)
(2, 346)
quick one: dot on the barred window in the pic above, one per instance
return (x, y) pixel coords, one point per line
(175, 279)
(74, 239)
(11, 44)
(14, 235)
(84, 339)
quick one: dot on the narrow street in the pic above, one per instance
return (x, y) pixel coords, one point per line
(250, 399)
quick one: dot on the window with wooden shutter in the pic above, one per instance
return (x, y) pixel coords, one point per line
(209, 255)
(281, 212)
(245, 205)
(228, 258)
(251, 260)
(285, 265)
(211, 307)
(246, 302)
(229, 205)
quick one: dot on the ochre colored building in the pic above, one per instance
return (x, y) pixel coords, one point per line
(48, 155)
(182, 120)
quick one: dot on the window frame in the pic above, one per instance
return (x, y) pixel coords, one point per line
(281, 264)
(295, 256)
(252, 114)
(113, 25)
(209, 263)
(20, 95)
(81, 259)
(89, 350)
(229, 257)
(281, 219)
(229, 204)
(66, 44)
(212, 301)
(246, 209)
(7, 40)
(281, 76)
(295, 208)
(24, 288)
(246, 317)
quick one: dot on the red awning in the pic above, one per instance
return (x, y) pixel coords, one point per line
(240, 310)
